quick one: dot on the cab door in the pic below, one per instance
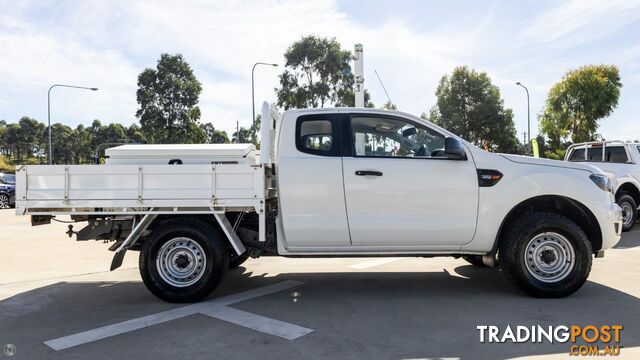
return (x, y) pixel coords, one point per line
(310, 183)
(400, 189)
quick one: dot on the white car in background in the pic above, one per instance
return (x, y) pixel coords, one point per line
(620, 161)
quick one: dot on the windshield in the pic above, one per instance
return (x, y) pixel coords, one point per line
(8, 179)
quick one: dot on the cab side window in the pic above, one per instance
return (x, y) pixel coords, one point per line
(316, 136)
(375, 136)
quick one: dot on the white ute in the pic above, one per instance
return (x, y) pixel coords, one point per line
(332, 182)
(620, 161)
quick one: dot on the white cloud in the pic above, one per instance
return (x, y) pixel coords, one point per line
(106, 44)
(596, 18)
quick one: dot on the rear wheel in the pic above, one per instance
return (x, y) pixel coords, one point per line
(629, 210)
(545, 254)
(183, 260)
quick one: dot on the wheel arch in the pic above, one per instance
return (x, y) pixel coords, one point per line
(631, 189)
(574, 210)
(219, 223)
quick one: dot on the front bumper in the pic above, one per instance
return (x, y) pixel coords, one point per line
(610, 220)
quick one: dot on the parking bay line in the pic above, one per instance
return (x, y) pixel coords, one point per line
(372, 263)
(258, 322)
(215, 308)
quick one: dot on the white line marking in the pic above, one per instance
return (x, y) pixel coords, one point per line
(253, 293)
(372, 263)
(118, 328)
(214, 308)
(258, 322)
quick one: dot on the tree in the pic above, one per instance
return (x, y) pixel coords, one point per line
(389, 106)
(214, 136)
(245, 136)
(3, 137)
(61, 138)
(576, 103)
(81, 145)
(12, 138)
(317, 73)
(24, 138)
(469, 105)
(134, 134)
(168, 99)
(116, 132)
(255, 130)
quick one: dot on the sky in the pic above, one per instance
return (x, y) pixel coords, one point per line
(411, 44)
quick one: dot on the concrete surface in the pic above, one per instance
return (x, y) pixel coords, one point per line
(408, 308)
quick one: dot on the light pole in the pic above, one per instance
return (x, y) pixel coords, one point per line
(253, 102)
(49, 109)
(528, 116)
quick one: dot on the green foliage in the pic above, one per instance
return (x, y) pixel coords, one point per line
(24, 138)
(469, 105)
(390, 106)
(555, 154)
(245, 136)
(168, 99)
(255, 130)
(26, 142)
(5, 165)
(317, 73)
(214, 136)
(576, 103)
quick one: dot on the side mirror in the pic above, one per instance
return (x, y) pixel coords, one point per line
(453, 149)
(408, 132)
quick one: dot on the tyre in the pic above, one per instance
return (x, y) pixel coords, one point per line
(4, 201)
(183, 260)
(475, 260)
(629, 210)
(545, 254)
(235, 260)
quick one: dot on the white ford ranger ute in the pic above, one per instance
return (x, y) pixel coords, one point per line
(332, 182)
(620, 161)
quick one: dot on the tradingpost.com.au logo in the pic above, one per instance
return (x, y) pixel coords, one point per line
(588, 340)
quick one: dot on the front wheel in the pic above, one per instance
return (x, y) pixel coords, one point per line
(183, 260)
(545, 254)
(629, 211)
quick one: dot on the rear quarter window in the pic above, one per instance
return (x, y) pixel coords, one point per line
(615, 154)
(316, 135)
(577, 155)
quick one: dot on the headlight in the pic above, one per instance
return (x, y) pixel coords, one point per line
(602, 182)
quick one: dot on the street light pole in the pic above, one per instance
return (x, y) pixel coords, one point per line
(528, 115)
(49, 110)
(253, 102)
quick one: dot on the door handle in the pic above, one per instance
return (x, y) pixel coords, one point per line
(368, 173)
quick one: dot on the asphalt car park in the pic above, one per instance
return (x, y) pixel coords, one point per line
(58, 300)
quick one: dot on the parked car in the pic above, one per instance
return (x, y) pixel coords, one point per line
(7, 190)
(332, 182)
(620, 161)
